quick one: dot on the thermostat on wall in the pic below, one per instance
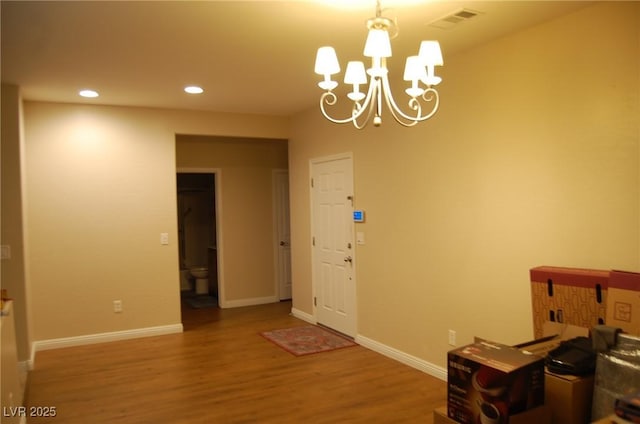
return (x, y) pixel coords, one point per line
(358, 215)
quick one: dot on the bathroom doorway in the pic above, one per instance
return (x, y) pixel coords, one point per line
(197, 239)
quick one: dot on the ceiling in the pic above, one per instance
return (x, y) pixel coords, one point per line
(249, 56)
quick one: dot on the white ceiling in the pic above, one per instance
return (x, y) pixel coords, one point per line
(249, 56)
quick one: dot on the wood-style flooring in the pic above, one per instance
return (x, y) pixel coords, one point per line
(220, 370)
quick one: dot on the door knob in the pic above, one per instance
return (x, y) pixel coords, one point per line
(348, 259)
(283, 243)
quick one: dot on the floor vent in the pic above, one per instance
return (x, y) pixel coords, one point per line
(454, 19)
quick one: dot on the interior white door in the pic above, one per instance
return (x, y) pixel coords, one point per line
(333, 252)
(283, 235)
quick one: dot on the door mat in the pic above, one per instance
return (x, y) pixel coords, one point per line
(306, 340)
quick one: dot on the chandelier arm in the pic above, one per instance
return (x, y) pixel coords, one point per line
(397, 114)
(369, 105)
(329, 98)
(355, 115)
(433, 96)
(417, 106)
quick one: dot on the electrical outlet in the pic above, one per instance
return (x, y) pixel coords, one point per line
(5, 251)
(117, 306)
(452, 337)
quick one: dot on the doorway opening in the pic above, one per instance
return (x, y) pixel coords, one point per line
(197, 240)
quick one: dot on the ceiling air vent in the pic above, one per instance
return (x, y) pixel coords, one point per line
(454, 19)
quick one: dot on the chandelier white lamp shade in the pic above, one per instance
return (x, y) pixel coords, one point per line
(419, 71)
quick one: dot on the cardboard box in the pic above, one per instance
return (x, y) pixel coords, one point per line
(568, 295)
(489, 382)
(611, 419)
(539, 415)
(568, 397)
(623, 302)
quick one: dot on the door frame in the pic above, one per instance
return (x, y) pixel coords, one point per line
(217, 172)
(314, 284)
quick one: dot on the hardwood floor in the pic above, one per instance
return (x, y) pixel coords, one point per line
(220, 370)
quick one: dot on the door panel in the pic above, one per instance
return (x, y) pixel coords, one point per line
(333, 262)
(283, 235)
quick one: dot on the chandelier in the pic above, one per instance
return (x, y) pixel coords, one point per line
(418, 69)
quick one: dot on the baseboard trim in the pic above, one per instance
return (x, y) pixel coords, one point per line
(248, 302)
(49, 344)
(405, 358)
(303, 315)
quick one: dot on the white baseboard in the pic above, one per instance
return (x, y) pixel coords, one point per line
(248, 302)
(303, 315)
(410, 360)
(40, 345)
(405, 358)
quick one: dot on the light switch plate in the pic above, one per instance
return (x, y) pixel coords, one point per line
(164, 238)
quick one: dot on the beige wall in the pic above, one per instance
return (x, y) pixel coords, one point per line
(100, 188)
(532, 160)
(244, 172)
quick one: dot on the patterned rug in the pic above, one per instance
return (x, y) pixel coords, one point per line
(306, 340)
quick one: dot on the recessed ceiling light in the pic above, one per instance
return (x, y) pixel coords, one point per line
(193, 89)
(88, 93)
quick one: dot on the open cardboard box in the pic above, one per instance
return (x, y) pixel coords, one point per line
(568, 397)
(553, 334)
(493, 381)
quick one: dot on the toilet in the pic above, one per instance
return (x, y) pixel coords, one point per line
(201, 274)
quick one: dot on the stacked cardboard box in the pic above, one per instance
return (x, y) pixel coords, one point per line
(623, 304)
(568, 397)
(567, 303)
(568, 295)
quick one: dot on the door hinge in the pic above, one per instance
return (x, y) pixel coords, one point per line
(311, 182)
(315, 301)
(313, 241)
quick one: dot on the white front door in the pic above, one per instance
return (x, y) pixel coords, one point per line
(333, 247)
(283, 235)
